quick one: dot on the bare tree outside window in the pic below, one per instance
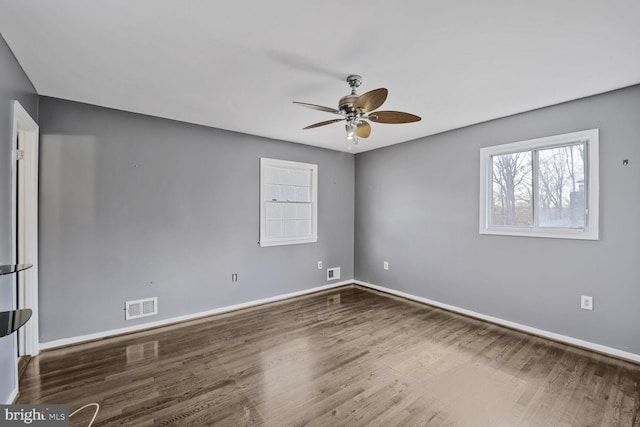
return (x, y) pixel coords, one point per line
(542, 187)
(512, 190)
(561, 187)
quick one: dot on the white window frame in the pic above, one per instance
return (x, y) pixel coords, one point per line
(292, 166)
(591, 229)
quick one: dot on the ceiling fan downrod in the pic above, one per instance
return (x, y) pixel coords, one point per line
(345, 105)
(354, 82)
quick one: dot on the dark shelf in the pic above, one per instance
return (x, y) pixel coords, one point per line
(10, 269)
(11, 321)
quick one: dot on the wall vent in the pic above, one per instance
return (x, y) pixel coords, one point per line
(333, 273)
(140, 308)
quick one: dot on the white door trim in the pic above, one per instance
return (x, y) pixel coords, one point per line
(28, 292)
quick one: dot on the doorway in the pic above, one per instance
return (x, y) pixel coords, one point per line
(24, 223)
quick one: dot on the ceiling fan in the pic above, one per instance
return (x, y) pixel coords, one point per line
(357, 109)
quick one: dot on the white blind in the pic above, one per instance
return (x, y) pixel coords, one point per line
(288, 202)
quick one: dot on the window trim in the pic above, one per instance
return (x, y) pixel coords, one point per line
(264, 240)
(591, 230)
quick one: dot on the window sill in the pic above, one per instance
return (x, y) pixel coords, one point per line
(549, 234)
(287, 242)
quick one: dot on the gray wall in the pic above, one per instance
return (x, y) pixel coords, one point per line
(133, 206)
(14, 85)
(417, 207)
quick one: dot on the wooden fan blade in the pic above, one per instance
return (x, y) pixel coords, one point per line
(318, 107)
(364, 129)
(328, 122)
(371, 100)
(392, 117)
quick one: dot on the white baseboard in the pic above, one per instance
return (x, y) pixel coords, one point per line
(98, 335)
(534, 331)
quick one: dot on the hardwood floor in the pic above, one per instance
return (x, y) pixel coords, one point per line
(347, 357)
(22, 364)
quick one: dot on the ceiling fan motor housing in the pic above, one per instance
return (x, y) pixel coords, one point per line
(346, 103)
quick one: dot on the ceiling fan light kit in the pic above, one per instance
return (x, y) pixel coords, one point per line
(357, 109)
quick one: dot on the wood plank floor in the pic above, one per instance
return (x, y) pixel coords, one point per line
(347, 357)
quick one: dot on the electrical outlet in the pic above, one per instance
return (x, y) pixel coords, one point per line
(586, 302)
(385, 265)
(234, 277)
(319, 265)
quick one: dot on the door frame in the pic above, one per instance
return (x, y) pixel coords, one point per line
(28, 341)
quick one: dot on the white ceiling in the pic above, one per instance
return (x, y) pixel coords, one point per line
(237, 65)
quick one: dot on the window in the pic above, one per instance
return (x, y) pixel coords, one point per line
(288, 202)
(546, 187)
